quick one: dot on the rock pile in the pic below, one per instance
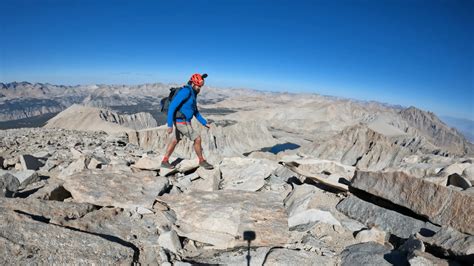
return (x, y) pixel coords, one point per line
(72, 197)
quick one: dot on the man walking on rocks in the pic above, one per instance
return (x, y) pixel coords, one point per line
(182, 108)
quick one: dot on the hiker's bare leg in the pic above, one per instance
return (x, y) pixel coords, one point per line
(170, 148)
(198, 148)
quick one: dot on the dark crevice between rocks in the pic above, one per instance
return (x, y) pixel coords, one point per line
(9, 194)
(190, 171)
(43, 177)
(311, 181)
(357, 160)
(167, 190)
(426, 232)
(215, 141)
(193, 262)
(395, 257)
(324, 172)
(136, 250)
(111, 238)
(177, 161)
(26, 193)
(37, 218)
(60, 194)
(321, 186)
(446, 255)
(381, 202)
(395, 240)
(268, 253)
(294, 181)
(344, 181)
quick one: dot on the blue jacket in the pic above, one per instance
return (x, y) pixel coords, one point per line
(188, 108)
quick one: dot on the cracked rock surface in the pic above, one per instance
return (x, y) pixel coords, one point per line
(75, 197)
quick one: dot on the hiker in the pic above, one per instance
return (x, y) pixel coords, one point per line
(182, 108)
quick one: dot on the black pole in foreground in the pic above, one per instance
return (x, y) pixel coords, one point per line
(249, 236)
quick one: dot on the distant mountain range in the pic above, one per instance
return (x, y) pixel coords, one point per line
(465, 126)
(311, 116)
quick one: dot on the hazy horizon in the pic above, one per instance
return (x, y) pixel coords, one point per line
(441, 116)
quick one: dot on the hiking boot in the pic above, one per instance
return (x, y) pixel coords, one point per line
(206, 165)
(166, 164)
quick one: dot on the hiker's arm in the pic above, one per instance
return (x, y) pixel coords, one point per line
(180, 97)
(200, 118)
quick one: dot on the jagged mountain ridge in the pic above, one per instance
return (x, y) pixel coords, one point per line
(95, 119)
(25, 93)
(429, 124)
(308, 117)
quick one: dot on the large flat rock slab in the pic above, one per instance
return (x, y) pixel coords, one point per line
(140, 230)
(245, 173)
(441, 205)
(390, 221)
(118, 189)
(281, 256)
(219, 218)
(120, 224)
(371, 253)
(24, 241)
(308, 204)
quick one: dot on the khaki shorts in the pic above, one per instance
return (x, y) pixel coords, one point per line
(185, 130)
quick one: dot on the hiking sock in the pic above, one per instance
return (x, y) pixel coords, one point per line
(201, 159)
(165, 159)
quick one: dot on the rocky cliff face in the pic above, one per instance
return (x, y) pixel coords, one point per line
(135, 121)
(360, 146)
(24, 108)
(25, 89)
(368, 149)
(442, 135)
(23, 99)
(95, 119)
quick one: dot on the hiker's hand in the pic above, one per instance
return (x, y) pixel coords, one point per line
(169, 130)
(208, 125)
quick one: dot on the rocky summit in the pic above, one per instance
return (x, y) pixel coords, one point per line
(297, 180)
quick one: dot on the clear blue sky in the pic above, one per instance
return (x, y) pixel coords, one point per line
(401, 52)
